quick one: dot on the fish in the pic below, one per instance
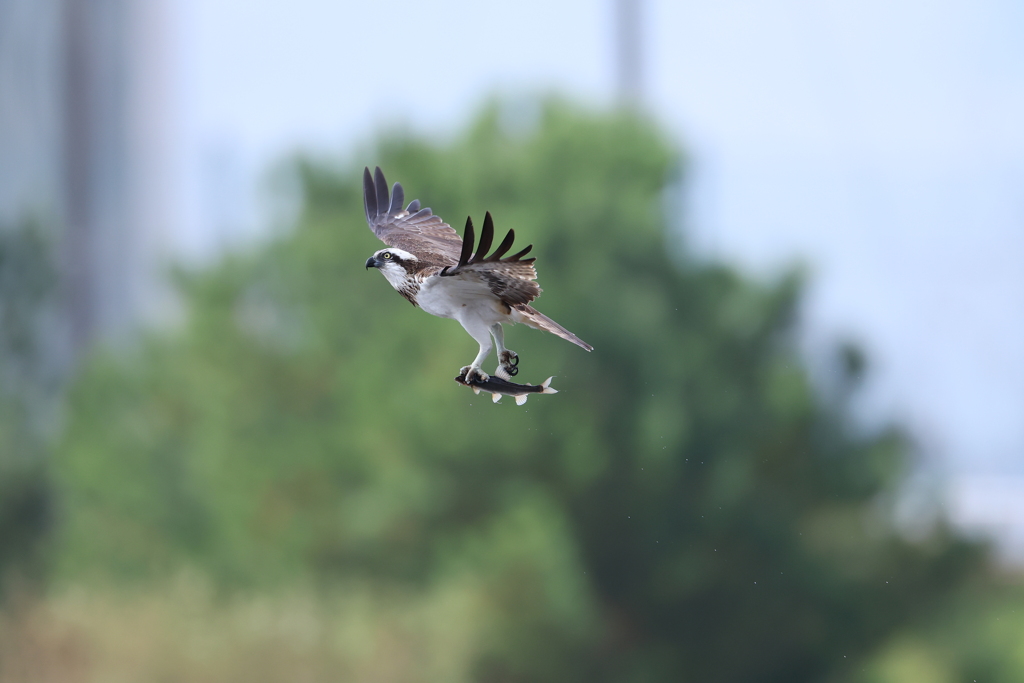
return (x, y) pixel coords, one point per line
(499, 386)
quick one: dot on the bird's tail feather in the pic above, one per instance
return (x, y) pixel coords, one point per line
(537, 320)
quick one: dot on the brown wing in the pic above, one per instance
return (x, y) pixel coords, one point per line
(413, 229)
(511, 279)
(513, 285)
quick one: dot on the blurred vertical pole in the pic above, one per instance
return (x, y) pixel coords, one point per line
(78, 109)
(115, 121)
(85, 115)
(629, 53)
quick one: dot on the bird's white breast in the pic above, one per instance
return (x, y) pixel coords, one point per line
(461, 298)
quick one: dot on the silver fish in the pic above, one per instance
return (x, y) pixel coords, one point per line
(499, 386)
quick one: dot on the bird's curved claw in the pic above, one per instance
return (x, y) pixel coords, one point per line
(471, 374)
(509, 361)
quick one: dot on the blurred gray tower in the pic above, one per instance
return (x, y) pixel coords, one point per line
(84, 148)
(629, 51)
(31, 115)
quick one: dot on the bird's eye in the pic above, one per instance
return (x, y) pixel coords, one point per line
(386, 255)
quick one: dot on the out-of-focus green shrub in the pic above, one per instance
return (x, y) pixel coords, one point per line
(27, 371)
(979, 637)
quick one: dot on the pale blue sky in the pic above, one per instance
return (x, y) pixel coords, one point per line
(878, 141)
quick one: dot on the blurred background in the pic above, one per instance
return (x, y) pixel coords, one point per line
(793, 231)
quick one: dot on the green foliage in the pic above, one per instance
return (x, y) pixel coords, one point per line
(977, 639)
(686, 508)
(26, 288)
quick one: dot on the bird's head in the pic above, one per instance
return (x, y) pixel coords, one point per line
(396, 265)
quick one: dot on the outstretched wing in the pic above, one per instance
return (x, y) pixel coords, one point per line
(511, 279)
(413, 229)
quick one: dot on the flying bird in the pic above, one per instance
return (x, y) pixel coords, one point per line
(430, 265)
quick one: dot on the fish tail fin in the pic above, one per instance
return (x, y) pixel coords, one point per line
(547, 388)
(521, 399)
(495, 397)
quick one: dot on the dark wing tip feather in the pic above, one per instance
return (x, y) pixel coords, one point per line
(421, 216)
(397, 198)
(519, 255)
(486, 237)
(467, 243)
(414, 206)
(369, 196)
(382, 190)
(505, 245)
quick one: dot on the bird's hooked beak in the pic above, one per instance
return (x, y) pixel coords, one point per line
(371, 263)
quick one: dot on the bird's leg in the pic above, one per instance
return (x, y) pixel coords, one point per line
(507, 360)
(472, 372)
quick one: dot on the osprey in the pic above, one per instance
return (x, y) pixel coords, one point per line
(428, 264)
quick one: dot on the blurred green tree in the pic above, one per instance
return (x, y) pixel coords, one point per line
(27, 372)
(687, 508)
